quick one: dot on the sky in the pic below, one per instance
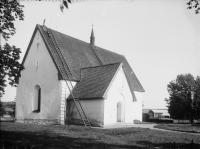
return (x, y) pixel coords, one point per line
(159, 38)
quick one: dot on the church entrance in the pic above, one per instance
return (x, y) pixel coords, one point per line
(119, 112)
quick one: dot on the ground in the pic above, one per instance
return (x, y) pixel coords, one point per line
(58, 136)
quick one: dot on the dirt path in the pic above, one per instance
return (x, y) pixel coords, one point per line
(149, 126)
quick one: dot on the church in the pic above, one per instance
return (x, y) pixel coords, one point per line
(69, 81)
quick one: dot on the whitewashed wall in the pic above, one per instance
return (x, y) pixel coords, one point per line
(46, 76)
(93, 108)
(137, 106)
(119, 92)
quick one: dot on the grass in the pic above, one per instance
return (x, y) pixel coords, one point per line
(58, 136)
(181, 127)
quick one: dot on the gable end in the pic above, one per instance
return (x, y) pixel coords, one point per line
(37, 28)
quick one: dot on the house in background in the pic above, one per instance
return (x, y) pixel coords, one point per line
(160, 113)
(146, 114)
(67, 80)
(154, 113)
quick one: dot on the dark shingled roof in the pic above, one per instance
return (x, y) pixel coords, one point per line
(79, 54)
(95, 80)
(111, 57)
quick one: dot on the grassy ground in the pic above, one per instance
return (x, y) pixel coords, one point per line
(57, 136)
(181, 127)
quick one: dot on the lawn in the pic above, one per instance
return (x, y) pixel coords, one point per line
(181, 127)
(59, 136)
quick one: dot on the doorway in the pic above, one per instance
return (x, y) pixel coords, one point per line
(119, 112)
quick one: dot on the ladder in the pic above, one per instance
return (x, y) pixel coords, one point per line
(67, 75)
(96, 54)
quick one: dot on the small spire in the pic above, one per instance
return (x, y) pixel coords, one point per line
(44, 22)
(44, 27)
(92, 38)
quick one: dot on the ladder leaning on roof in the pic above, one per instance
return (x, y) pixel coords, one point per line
(66, 74)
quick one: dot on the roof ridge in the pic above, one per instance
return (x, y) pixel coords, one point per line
(71, 37)
(82, 41)
(64, 34)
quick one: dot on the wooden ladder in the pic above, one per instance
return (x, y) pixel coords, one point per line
(96, 54)
(67, 75)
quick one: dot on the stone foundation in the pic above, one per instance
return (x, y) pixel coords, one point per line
(39, 121)
(80, 122)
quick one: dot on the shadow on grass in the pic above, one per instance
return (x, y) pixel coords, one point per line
(170, 145)
(31, 140)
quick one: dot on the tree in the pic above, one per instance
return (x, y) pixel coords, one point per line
(2, 111)
(195, 4)
(9, 66)
(184, 97)
(9, 55)
(196, 97)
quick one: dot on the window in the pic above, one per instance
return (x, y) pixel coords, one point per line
(38, 42)
(36, 98)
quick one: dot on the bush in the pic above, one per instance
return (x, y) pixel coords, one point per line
(157, 120)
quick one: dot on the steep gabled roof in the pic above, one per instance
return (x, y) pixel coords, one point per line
(94, 81)
(79, 54)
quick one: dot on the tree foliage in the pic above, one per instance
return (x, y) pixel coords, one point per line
(9, 65)
(184, 97)
(9, 55)
(194, 4)
(10, 11)
(197, 97)
(2, 111)
(64, 3)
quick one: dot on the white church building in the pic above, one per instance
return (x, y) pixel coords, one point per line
(67, 80)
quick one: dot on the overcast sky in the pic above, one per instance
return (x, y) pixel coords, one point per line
(159, 38)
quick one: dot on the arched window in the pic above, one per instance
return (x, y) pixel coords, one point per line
(36, 98)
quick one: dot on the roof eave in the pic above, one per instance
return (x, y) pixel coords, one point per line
(29, 45)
